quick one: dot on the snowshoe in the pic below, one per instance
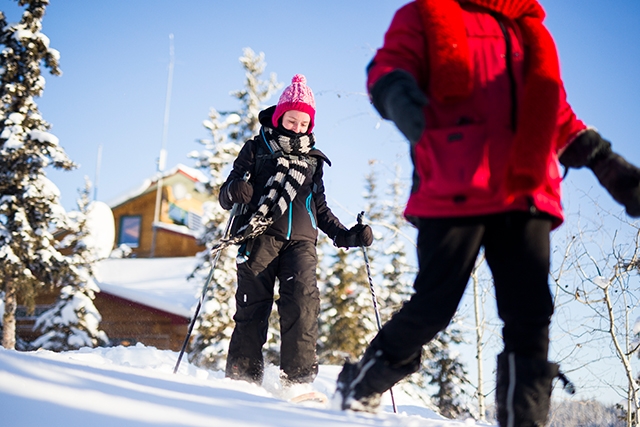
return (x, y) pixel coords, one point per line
(312, 399)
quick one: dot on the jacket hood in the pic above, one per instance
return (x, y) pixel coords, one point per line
(265, 116)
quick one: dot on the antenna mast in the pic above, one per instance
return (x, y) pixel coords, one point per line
(163, 152)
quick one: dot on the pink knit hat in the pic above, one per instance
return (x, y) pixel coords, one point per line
(297, 96)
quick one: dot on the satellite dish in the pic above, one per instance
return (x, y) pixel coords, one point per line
(179, 191)
(101, 229)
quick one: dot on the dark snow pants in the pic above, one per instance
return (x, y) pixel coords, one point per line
(293, 263)
(516, 246)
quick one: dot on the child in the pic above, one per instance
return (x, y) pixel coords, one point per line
(285, 205)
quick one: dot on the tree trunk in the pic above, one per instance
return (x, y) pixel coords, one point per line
(9, 317)
(479, 333)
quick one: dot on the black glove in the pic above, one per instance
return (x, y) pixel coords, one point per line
(586, 148)
(398, 98)
(619, 177)
(356, 236)
(237, 191)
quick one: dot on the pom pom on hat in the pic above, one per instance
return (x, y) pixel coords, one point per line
(297, 96)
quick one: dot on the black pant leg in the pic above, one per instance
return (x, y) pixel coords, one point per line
(299, 308)
(517, 251)
(447, 250)
(254, 301)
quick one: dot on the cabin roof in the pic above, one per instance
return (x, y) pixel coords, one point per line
(159, 283)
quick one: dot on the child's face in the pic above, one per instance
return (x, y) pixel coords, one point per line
(296, 121)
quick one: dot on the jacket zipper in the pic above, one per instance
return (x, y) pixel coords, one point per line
(512, 80)
(308, 204)
(290, 220)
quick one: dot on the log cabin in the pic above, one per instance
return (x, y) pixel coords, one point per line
(151, 303)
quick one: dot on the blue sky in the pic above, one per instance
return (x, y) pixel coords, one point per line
(115, 57)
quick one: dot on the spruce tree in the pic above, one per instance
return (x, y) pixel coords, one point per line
(229, 130)
(387, 216)
(448, 374)
(347, 320)
(73, 321)
(29, 202)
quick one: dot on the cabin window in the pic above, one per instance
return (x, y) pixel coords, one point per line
(130, 230)
(178, 215)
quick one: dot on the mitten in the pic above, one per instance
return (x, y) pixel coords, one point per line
(236, 191)
(398, 98)
(619, 177)
(356, 236)
(584, 149)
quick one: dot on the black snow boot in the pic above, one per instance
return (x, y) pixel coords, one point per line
(523, 390)
(360, 385)
(245, 369)
(299, 375)
(619, 177)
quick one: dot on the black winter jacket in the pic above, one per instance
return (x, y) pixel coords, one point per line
(307, 212)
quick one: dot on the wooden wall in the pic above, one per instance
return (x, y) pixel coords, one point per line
(172, 244)
(127, 323)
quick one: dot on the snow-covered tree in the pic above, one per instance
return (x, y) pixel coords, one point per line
(228, 131)
(29, 202)
(347, 319)
(398, 270)
(448, 374)
(73, 321)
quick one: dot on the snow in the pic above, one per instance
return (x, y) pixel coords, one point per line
(16, 118)
(135, 386)
(42, 187)
(160, 283)
(601, 282)
(8, 255)
(43, 136)
(21, 32)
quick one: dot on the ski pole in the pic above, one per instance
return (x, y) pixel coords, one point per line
(375, 301)
(203, 295)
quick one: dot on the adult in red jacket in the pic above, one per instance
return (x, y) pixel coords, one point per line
(475, 86)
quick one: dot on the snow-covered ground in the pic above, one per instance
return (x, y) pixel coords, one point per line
(136, 386)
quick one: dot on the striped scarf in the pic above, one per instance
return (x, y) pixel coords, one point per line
(281, 188)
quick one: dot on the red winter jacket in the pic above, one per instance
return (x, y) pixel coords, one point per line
(468, 179)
